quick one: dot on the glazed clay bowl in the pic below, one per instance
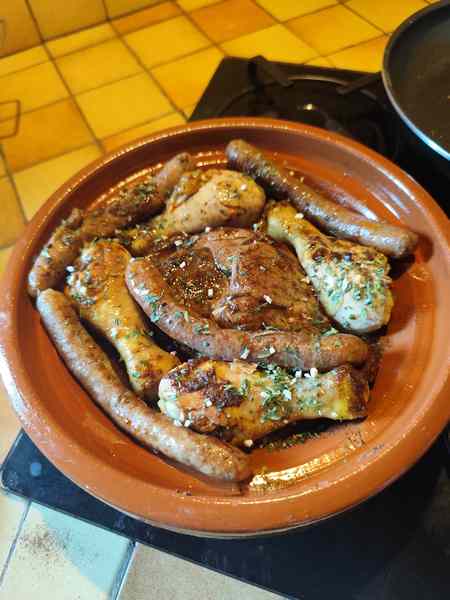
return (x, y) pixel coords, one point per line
(292, 487)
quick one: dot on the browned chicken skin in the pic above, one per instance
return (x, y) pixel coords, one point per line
(211, 198)
(97, 286)
(128, 207)
(242, 403)
(92, 368)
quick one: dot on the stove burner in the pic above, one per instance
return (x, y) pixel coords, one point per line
(315, 100)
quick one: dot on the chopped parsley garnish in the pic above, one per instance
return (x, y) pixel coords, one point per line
(199, 328)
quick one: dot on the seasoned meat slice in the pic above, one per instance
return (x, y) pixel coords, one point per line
(242, 403)
(266, 287)
(97, 286)
(351, 280)
(300, 349)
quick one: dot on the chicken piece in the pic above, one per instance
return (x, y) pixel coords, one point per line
(266, 287)
(128, 207)
(203, 199)
(97, 286)
(351, 280)
(242, 403)
(291, 349)
(155, 431)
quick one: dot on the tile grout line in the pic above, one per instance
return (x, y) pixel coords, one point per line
(10, 176)
(23, 68)
(364, 19)
(119, 35)
(41, 35)
(34, 19)
(122, 572)
(351, 47)
(78, 108)
(14, 542)
(157, 22)
(146, 122)
(151, 76)
(214, 44)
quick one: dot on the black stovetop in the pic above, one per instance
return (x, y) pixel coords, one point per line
(396, 545)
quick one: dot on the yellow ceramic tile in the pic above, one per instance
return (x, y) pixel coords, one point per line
(8, 128)
(364, 57)
(97, 66)
(166, 41)
(122, 105)
(9, 423)
(66, 559)
(188, 110)
(146, 17)
(275, 43)
(117, 8)
(189, 5)
(34, 87)
(45, 133)
(332, 29)
(185, 80)
(231, 19)
(82, 39)
(9, 109)
(386, 14)
(56, 19)
(21, 32)
(22, 60)
(320, 61)
(36, 184)
(11, 217)
(130, 135)
(288, 9)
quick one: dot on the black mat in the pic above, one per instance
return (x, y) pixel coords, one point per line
(396, 546)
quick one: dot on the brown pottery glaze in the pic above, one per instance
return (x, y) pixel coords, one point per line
(410, 401)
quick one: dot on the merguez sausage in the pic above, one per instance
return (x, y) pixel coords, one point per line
(330, 217)
(92, 368)
(129, 207)
(296, 350)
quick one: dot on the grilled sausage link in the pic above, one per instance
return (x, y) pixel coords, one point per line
(128, 207)
(92, 368)
(332, 218)
(296, 350)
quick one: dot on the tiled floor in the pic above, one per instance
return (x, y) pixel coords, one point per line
(87, 93)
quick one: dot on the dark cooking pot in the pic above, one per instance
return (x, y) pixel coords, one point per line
(416, 75)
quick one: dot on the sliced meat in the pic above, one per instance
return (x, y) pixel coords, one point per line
(266, 287)
(299, 350)
(90, 365)
(128, 207)
(330, 217)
